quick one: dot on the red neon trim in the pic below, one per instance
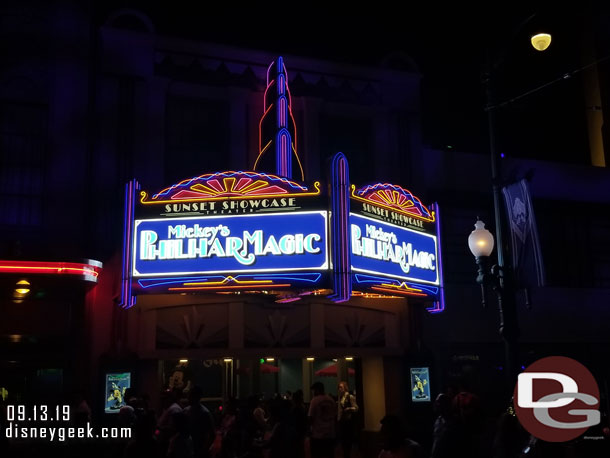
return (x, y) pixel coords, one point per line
(265, 95)
(49, 268)
(260, 133)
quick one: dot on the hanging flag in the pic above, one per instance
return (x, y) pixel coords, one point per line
(526, 252)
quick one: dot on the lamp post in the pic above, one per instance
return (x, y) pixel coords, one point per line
(498, 277)
(481, 241)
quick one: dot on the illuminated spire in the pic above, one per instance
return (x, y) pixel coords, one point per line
(277, 142)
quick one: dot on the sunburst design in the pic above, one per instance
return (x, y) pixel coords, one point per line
(393, 197)
(205, 179)
(230, 185)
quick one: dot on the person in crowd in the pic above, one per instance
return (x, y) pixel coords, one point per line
(201, 423)
(510, 438)
(228, 431)
(181, 443)
(346, 418)
(247, 427)
(127, 416)
(143, 444)
(4, 444)
(463, 435)
(282, 436)
(322, 418)
(395, 444)
(298, 417)
(442, 409)
(170, 406)
(259, 415)
(81, 412)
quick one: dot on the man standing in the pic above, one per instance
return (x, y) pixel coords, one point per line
(322, 417)
(201, 423)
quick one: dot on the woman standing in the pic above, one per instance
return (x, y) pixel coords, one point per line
(346, 417)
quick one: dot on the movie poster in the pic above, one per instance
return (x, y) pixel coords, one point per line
(420, 384)
(116, 385)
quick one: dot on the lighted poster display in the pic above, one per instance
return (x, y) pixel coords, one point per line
(116, 386)
(385, 249)
(230, 244)
(420, 384)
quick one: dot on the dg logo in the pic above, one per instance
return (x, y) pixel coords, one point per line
(557, 399)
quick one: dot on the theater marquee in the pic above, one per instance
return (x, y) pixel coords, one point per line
(230, 244)
(258, 232)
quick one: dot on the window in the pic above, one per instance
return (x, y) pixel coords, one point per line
(354, 138)
(197, 137)
(23, 132)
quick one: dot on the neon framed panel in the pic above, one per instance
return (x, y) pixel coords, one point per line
(389, 250)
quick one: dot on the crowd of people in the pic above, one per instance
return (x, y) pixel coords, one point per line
(281, 427)
(328, 427)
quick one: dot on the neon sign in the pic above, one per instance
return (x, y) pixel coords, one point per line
(237, 243)
(277, 129)
(386, 249)
(393, 201)
(252, 231)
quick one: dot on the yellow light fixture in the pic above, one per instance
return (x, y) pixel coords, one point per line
(541, 41)
(228, 360)
(310, 359)
(349, 358)
(270, 360)
(22, 287)
(183, 360)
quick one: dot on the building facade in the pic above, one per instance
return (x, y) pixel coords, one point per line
(88, 105)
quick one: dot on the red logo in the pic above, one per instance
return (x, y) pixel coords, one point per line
(557, 399)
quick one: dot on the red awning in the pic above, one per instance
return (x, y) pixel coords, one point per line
(331, 371)
(269, 369)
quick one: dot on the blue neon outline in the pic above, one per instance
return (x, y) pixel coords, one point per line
(439, 305)
(340, 234)
(127, 299)
(155, 282)
(285, 277)
(371, 280)
(279, 160)
(403, 278)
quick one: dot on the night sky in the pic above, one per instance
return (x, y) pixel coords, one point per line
(448, 45)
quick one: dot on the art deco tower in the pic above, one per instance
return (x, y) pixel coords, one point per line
(277, 142)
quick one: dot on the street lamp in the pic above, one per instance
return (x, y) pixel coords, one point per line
(541, 41)
(481, 244)
(481, 241)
